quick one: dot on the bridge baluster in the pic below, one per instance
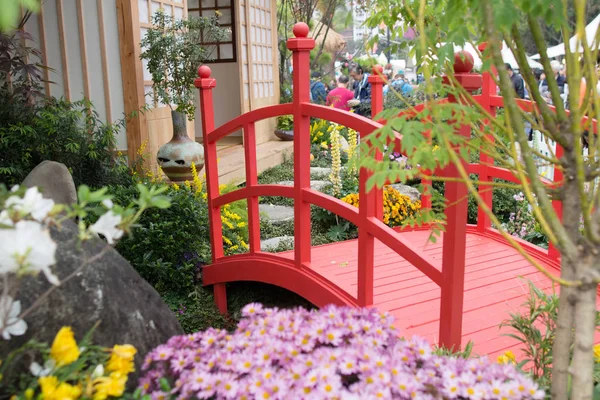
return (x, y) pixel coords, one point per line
(486, 191)
(252, 181)
(455, 235)
(206, 84)
(301, 46)
(557, 204)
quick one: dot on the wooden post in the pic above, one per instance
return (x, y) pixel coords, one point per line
(301, 45)
(206, 84)
(132, 75)
(557, 204)
(486, 191)
(455, 236)
(370, 205)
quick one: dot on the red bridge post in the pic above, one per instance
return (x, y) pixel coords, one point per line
(301, 46)
(206, 84)
(486, 191)
(455, 236)
(370, 204)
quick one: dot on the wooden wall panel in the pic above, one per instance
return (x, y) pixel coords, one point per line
(79, 41)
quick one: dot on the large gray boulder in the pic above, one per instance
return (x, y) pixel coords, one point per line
(412, 192)
(55, 182)
(108, 290)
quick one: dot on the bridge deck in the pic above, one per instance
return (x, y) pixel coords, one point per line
(495, 284)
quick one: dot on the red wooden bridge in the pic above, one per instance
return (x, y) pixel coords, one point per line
(458, 289)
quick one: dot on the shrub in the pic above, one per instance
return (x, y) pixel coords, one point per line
(535, 329)
(171, 246)
(396, 206)
(67, 132)
(335, 352)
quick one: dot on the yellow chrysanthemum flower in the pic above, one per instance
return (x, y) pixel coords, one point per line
(121, 359)
(64, 349)
(52, 389)
(507, 358)
(112, 385)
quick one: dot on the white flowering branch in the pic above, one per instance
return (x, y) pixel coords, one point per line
(26, 247)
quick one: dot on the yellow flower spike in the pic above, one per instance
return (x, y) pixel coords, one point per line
(64, 349)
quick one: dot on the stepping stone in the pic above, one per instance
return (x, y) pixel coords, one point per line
(273, 243)
(319, 171)
(411, 192)
(317, 185)
(277, 214)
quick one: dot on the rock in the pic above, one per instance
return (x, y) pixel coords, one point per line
(344, 143)
(319, 171)
(277, 214)
(273, 243)
(54, 181)
(108, 291)
(317, 185)
(409, 191)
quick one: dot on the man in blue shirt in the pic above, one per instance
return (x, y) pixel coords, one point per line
(362, 92)
(318, 90)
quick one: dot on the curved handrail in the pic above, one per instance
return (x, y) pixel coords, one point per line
(500, 173)
(529, 106)
(249, 117)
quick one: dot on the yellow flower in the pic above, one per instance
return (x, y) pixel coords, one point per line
(597, 352)
(507, 358)
(121, 359)
(176, 186)
(112, 385)
(53, 390)
(29, 393)
(324, 145)
(64, 348)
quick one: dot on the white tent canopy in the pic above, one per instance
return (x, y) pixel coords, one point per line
(590, 33)
(507, 56)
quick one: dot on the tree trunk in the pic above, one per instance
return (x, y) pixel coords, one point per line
(561, 351)
(582, 368)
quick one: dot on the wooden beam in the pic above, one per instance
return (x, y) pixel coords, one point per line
(105, 77)
(132, 74)
(83, 50)
(63, 48)
(44, 50)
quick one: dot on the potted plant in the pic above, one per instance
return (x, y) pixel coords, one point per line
(285, 127)
(174, 50)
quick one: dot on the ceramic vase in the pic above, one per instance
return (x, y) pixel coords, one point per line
(176, 157)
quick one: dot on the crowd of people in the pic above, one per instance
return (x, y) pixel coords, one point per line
(352, 92)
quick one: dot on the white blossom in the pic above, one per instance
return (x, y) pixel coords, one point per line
(10, 323)
(98, 371)
(38, 371)
(5, 218)
(107, 226)
(33, 203)
(108, 203)
(28, 248)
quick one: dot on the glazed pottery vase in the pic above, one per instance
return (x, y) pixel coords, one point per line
(176, 157)
(284, 135)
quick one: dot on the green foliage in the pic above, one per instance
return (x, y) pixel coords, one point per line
(535, 330)
(467, 352)
(67, 132)
(285, 122)
(170, 245)
(174, 50)
(11, 11)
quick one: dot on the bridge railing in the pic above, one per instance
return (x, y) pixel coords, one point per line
(368, 217)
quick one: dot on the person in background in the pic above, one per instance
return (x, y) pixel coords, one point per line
(517, 81)
(362, 91)
(341, 95)
(318, 90)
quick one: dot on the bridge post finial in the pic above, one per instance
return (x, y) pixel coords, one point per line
(301, 45)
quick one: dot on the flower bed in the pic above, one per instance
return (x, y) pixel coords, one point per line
(334, 352)
(396, 206)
